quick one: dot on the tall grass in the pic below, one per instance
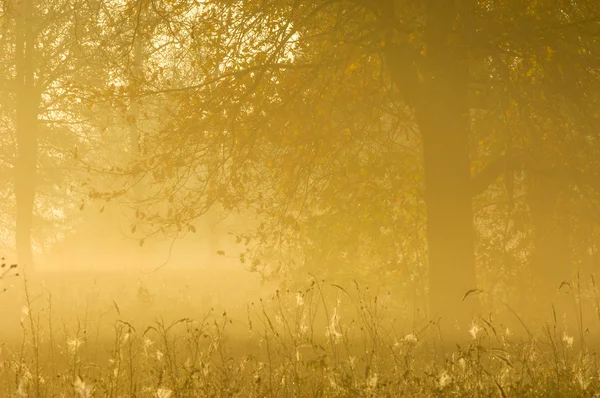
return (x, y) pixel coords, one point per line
(322, 341)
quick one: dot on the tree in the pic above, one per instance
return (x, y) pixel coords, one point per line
(546, 66)
(284, 98)
(27, 109)
(57, 60)
(444, 124)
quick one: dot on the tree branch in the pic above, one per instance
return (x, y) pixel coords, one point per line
(235, 75)
(486, 177)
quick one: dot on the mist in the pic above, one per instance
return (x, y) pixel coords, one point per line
(299, 198)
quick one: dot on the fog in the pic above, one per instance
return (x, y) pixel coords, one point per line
(299, 198)
(99, 267)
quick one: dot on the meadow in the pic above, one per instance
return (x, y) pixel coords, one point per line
(84, 336)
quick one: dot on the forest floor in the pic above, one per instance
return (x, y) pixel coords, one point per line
(321, 341)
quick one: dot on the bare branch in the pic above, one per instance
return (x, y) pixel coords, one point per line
(235, 75)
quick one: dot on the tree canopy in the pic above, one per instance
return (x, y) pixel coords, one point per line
(438, 148)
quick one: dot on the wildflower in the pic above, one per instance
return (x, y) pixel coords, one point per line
(74, 344)
(372, 382)
(24, 313)
(82, 389)
(332, 331)
(583, 381)
(444, 380)
(463, 364)
(303, 326)
(333, 383)
(299, 299)
(146, 344)
(22, 388)
(352, 362)
(410, 338)
(24, 381)
(163, 392)
(533, 356)
(568, 339)
(474, 330)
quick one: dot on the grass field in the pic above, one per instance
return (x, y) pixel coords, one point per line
(78, 337)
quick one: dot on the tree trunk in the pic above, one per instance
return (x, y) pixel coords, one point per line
(133, 114)
(26, 131)
(443, 118)
(551, 261)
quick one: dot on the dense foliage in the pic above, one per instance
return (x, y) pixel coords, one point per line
(436, 147)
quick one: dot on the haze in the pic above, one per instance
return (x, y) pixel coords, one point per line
(299, 198)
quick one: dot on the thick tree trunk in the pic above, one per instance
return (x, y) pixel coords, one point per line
(443, 118)
(551, 261)
(435, 83)
(26, 131)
